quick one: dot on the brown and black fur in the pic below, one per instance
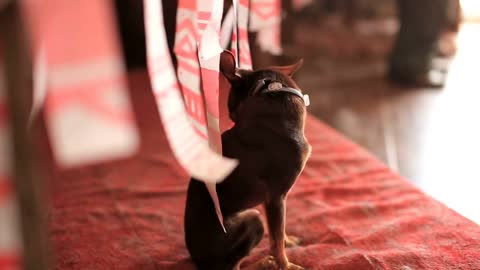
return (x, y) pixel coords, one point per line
(268, 140)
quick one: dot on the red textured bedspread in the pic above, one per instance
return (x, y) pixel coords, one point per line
(351, 211)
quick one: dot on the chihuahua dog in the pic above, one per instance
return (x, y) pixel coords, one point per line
(268, 110)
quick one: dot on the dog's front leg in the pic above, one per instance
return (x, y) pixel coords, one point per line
(275, 209)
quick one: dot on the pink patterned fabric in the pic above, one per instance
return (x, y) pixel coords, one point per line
(208, 165)
(240, 45)
(87, 107)
(266, 20)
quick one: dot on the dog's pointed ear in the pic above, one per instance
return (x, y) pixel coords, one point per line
(289, 70)
(228, 66)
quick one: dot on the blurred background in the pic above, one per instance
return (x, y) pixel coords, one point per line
(426, 129)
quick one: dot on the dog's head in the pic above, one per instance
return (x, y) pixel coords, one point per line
(248, 83)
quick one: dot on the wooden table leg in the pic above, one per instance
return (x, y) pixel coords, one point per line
(27, 180)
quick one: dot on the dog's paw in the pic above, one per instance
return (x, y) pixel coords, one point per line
(292, 266)
(292, 241)
(267, 263)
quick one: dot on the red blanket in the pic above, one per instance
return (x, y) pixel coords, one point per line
(351, 211)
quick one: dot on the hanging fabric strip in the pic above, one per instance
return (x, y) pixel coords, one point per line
(10, 240)
(209, 18)
(88, 112)
(227, 28)
(185, 48)
(188, 72)
(266, 21)
(240, 46)
(236, 23)
(184, 120)
(234, 45)
(244, 55)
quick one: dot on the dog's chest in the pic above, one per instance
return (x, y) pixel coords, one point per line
(239, 193)
(264, 168)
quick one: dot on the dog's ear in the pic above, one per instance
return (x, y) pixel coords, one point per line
(228, 66)
(289, 70)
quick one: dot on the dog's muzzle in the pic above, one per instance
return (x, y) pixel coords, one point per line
(279, 87)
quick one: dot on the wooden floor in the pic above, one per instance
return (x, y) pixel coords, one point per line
(430, 136)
